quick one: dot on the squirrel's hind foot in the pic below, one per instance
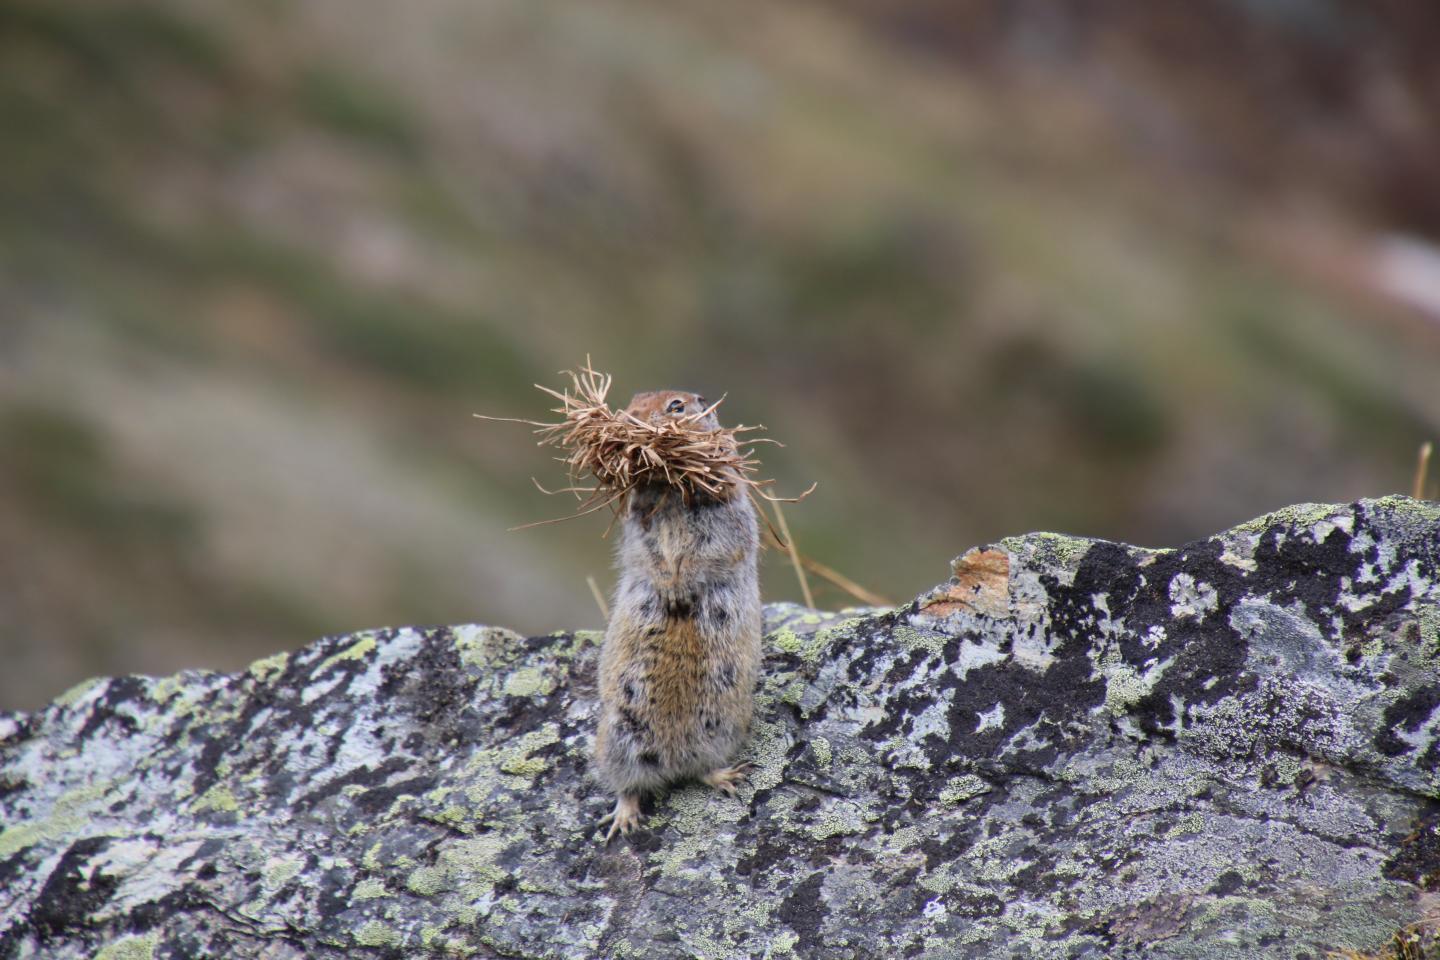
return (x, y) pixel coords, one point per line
(624, 818)
(726, 779)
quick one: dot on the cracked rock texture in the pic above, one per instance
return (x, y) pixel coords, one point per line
(1071, 749)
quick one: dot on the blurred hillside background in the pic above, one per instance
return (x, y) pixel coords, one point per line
(1137, 271)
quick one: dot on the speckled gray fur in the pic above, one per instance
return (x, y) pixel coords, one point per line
(683, 568)
(1228, 750)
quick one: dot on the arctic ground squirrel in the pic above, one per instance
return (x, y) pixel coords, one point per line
(681, 653)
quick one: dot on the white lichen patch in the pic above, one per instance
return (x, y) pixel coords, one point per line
(992, 719)
(1321, 529)
(1191, 598)
(973, 656)
(933, 721)
(1239, 552)
(1034, 649)
(142, 871)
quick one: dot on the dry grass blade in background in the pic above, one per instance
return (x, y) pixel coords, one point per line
(599, 598)
(789, 543)
(610, 452)
(1422, 469)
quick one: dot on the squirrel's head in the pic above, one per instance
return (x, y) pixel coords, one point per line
(657, 406)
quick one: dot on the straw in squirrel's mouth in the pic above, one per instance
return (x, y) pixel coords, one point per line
(609, 453)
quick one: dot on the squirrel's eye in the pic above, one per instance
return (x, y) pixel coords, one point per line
(675, 406)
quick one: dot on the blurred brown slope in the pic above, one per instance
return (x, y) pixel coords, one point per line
(1279, 96)
(259, 262)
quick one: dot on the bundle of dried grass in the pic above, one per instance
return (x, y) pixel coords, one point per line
(611, 452)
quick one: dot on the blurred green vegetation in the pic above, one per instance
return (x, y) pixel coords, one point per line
(260, 262)
(60, 467)
(352, 107)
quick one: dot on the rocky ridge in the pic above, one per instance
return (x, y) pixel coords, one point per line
(1070, 749)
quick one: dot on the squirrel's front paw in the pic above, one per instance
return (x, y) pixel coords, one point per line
(726, 779)
(624, 818)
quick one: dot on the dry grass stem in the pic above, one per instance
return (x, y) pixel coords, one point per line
(599, 598)
(867, 597)
(609, 452)
(794, 557)
(1422, 469)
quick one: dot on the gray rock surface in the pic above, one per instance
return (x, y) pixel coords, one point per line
(1071, 749)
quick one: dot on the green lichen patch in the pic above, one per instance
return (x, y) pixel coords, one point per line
(426, 881)
(454, 816)
(788, 640)
(1049, 548)
(377, 934)
(369, 889)
(515, 759)
(78, 692)
(965, 787)
(487, 647)
(528, 682)
(140, 947)
(70, 814)
(471, 865)
(588, 638)
(218, 799)
(1419, 511)
(358, 650)
(267, 668)
(930, 641)
(282, 871)
(1297, 517)
(167, 688)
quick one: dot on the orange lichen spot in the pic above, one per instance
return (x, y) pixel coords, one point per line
(981, 584)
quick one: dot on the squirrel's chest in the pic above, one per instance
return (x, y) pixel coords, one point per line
(673, 541)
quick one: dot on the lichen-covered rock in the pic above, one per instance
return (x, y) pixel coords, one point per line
(1071, 749)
